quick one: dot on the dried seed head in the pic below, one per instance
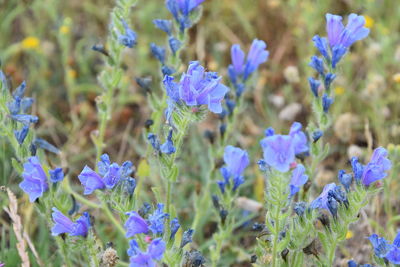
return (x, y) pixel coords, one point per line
(109, 258)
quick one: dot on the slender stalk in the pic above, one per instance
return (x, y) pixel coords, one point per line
(276, 235)
(109, 214)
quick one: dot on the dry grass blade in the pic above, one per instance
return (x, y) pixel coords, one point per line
(12, 211)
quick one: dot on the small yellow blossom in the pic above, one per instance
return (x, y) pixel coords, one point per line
(30, 43)
(369, 22)
(72, 73)
(64, 29)
(349, 234)
(339, 90)
(212, 65)
(396, 78)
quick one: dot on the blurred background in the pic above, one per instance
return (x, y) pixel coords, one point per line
(48, 44)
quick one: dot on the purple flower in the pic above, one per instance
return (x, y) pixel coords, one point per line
(56, 175)
(378, 166)
(241, 68)
(35, 179)
(154, 252)
(345, 36)
(108, 177)
(279, 151)
(299, 138)
(157, 218)
(299, 178)
(197, 87)
(321, 202)
(326, 102)
(63, 224)
(90, 180)
(135, 224)
(236, 160)
(181, 9)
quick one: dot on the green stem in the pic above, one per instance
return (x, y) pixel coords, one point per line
(276, 235)
(109, 214)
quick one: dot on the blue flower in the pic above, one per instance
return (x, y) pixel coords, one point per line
(63, 224)
(187, 237)
(317, 64)
(43, 144)
(314, 85)
(236, 160)
(328, 80)
(164, 25)
(56, 175)
(322, 45)
(197, 87)
(244, 68)
(25, 119)
(35, 179)
(135, 224)
(345, 179)
(21, 134)
(154, 252)
(168, 146)
(181, 9)
(316, 135)
(174, 44)
(158, 52)
(338, 52)
(278, 151)
(129, 38)
(299, 178)
(153, 139)
(345, 36)
(381, 245)
(108, 177)
(357, 167)
(377, 167)
(340, 37)
(299, 138)
(174, 225)
(326, 102)
(321, 202)
(156, 219)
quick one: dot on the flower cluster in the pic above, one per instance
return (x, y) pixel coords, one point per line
(136, 224)
(236, 160)
(181, 11)
(63, 224)
(375, 170)
(340, 38)
(241, 68)
(196, 87)
(108, 176)
(383, 249)
(18, 107)
(280, 150)
(35, 181)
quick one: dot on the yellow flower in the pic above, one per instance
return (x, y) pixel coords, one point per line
(64, 29)
(30, 43)
(369, 22)
(349, 234)
(72, 73)
(339, 90)
(396, 78)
